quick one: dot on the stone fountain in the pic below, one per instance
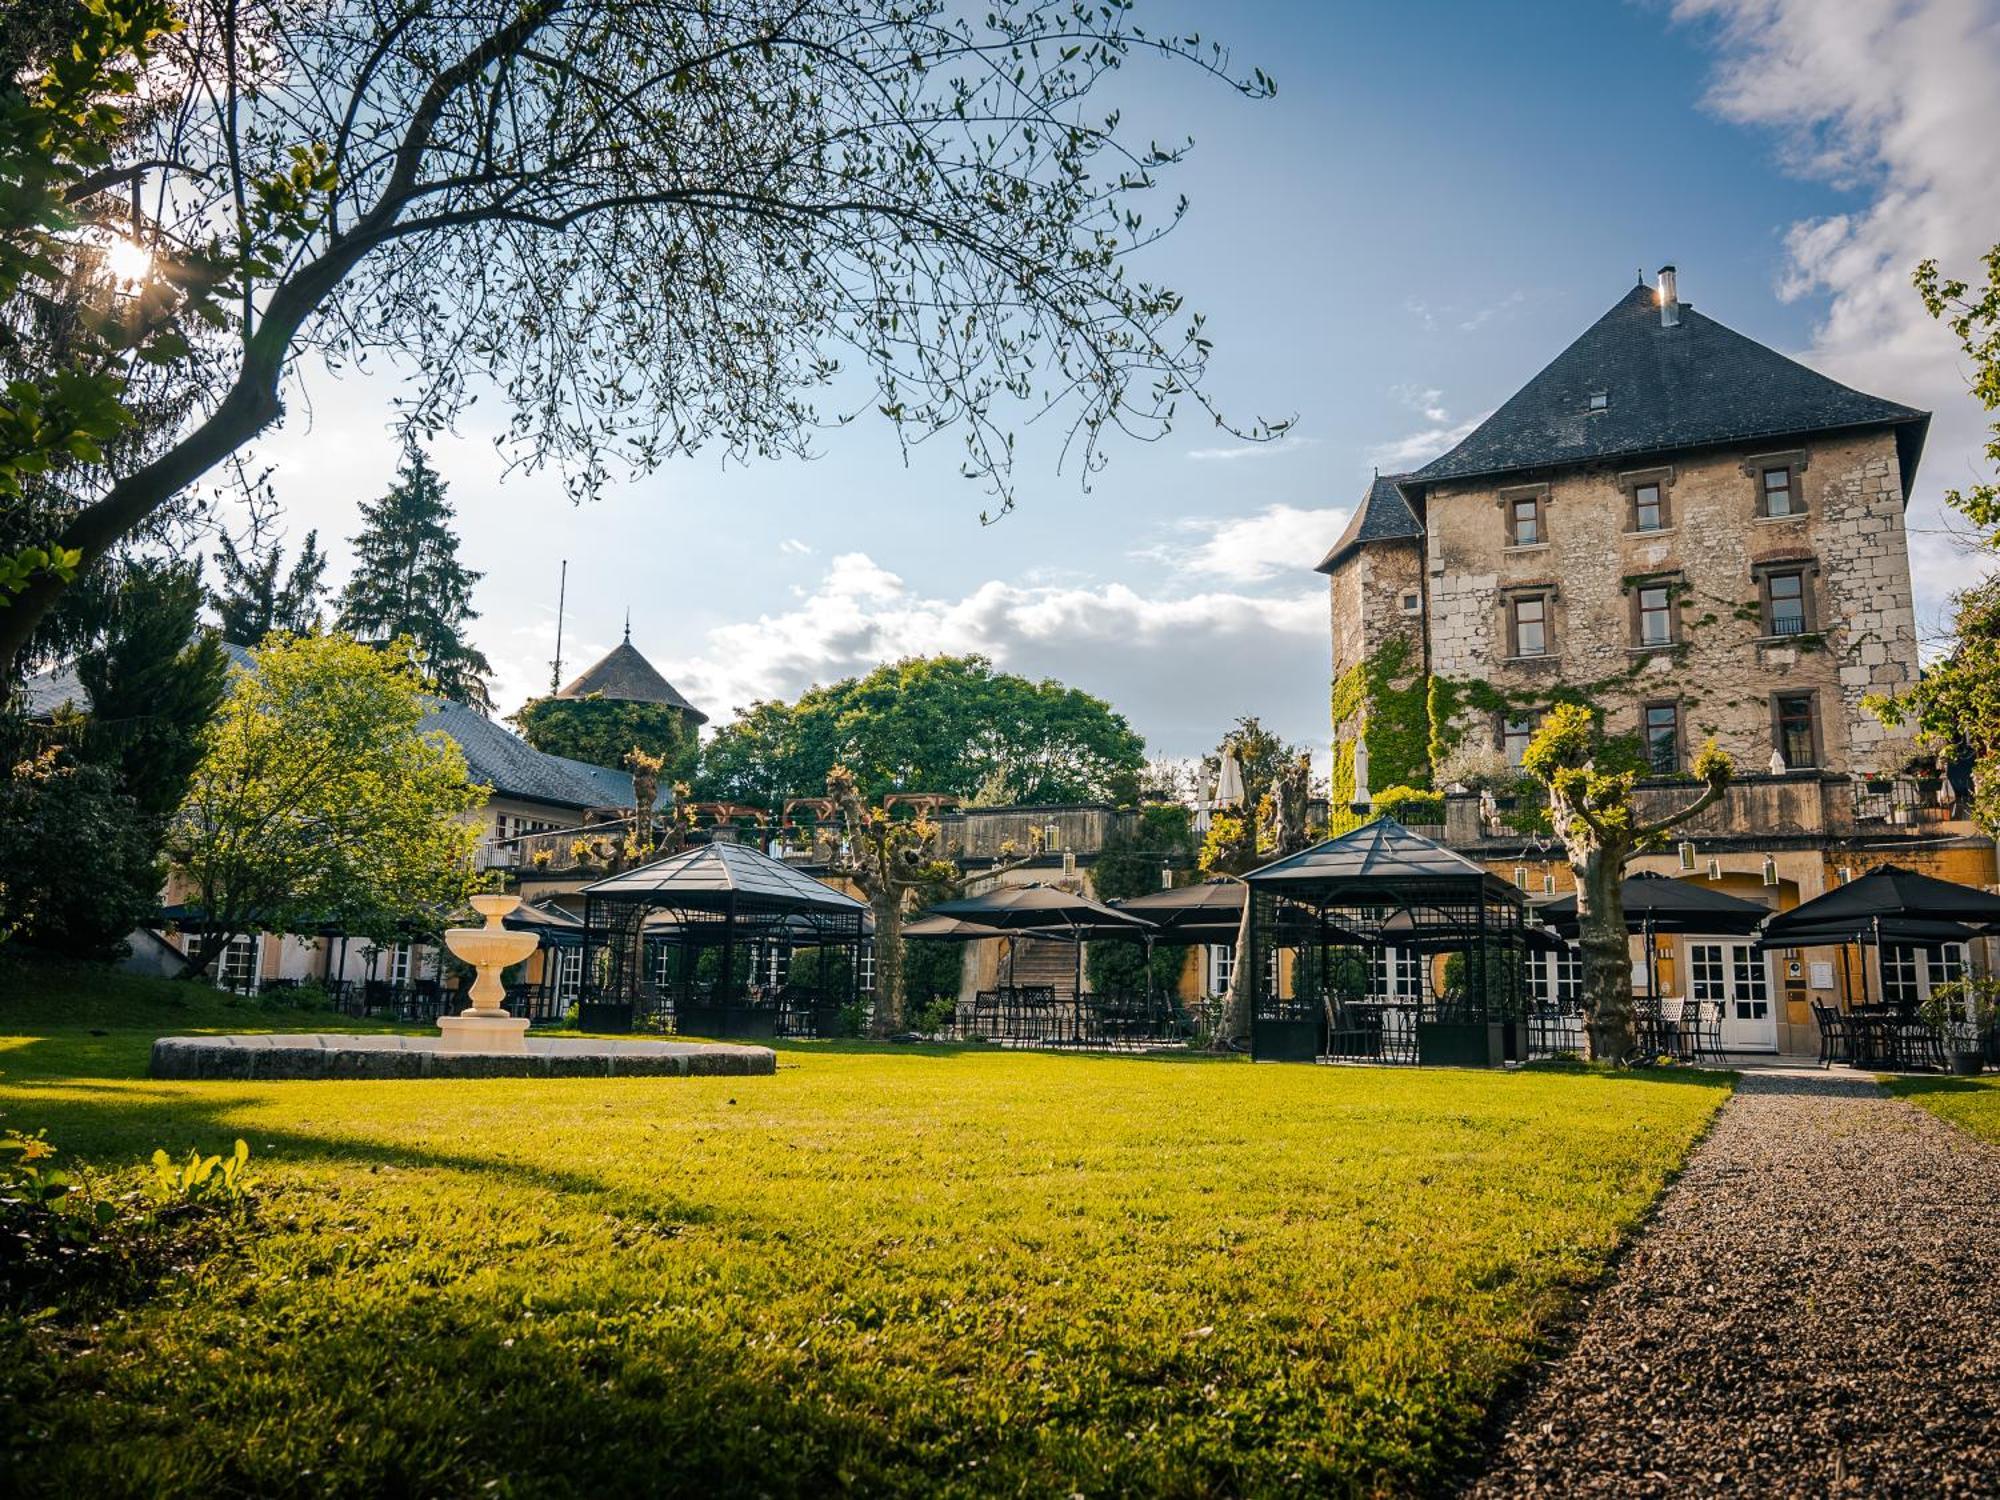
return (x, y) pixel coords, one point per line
(484, 1026)
(481, 1041)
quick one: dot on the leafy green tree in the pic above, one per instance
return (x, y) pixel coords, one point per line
(318, 800)
(1955, 705)
(253, 600)
(1592, 813)
(409, 585)
(78, 871)
(949, 724)
(87, 796)
(651, 226)
(154, 683)
(604, 731)
(102, 385)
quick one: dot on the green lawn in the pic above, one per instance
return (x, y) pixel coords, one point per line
(1970, 1103)
(908, 1270)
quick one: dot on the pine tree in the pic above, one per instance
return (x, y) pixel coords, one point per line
(409, 584)
(252, 602)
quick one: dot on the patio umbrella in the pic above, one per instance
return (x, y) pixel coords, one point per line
(950, 929)
(1212, 903)
(1659, 903)
(1045, 910)
(1888, 904)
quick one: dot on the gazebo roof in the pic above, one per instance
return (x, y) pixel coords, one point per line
(1372, 861)
(725, 877)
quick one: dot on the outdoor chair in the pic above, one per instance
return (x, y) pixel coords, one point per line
(1835, 1042)
(378, 995)
(1701, 1021)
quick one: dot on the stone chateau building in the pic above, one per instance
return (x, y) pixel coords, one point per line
(1703, 538)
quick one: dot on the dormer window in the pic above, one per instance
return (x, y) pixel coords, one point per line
(1600, 400)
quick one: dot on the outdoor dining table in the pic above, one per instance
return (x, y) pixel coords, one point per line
(1886, 1037)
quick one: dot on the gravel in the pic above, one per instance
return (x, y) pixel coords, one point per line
(1814, 1310)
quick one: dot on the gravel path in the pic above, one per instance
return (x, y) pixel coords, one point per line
(1814, 1310)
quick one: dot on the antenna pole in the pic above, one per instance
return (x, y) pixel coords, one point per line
(562, 598)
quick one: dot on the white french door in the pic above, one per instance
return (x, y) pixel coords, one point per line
(1738, 977)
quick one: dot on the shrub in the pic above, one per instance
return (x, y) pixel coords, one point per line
(1409, 804)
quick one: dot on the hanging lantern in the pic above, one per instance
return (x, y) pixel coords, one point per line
(1687, 855)
(1844, 874)
(1166, 878)
(1770, 870)
(1521, 877)
(1715, 869)
(1548, 883)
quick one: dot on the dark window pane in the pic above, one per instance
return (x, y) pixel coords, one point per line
(1788, 603)
(1795, 731)
(1663, 738)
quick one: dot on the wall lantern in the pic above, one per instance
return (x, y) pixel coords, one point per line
(1548, 884)
(1715, 869)
(1521, 877)
(1166, 878)
(1770, 870)
(1687, 854)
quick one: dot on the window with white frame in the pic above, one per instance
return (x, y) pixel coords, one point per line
(569, 973)
(776, 964)
(236, 965)
(1221, 965)
(1558, 978)
(867, 968)
(1910, 974)
(1395, 974)
(399, 964)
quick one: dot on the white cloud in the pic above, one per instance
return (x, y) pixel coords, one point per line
(1289, 443)
(1901, 102)
(1426, 443)
(1180, 667)
(1279, 539)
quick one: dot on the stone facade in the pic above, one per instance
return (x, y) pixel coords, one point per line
(1722, 669)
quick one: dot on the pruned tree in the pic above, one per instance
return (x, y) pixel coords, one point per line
(1270, 823)
(1591, 811)
(895, 865)
(652, 226)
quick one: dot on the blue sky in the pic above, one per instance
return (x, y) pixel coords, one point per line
(1439, 198)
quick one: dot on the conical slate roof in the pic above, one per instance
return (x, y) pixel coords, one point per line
(1378, 854)
(1383, 515)
(623, 675)
(1666, 388)
(721, 877)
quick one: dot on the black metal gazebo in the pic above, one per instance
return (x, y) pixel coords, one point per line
(682, 938)
(1338, 904)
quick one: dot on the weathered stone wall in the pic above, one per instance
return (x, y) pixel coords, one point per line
(1722, 671)
(1372, 631)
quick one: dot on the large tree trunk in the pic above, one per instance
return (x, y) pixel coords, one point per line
(888, 1016)
(1233, 1035)
(1607, 960)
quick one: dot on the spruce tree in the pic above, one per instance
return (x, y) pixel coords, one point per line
(252, 602)
(409, 584)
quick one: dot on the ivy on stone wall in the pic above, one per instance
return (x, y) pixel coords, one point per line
(1397, 720)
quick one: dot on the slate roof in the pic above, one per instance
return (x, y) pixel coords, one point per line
(44, 693)
(1694, 385)
(706, 877)
(511, 766)
(625, 676)
(1383, 515)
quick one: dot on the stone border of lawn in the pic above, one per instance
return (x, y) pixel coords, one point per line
(276, 1055)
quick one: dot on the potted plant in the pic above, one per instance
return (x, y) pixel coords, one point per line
(1962, 1012)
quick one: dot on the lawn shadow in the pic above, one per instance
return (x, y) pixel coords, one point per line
(112, 1127)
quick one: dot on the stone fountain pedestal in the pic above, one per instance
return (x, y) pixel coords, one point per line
(484, 1026)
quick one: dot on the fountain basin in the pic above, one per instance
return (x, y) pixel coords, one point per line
(364, 1055)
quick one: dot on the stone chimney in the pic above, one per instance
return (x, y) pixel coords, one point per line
(1670, 301)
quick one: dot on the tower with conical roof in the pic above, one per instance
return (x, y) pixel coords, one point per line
(618, 704)
(623, 675)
